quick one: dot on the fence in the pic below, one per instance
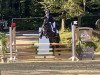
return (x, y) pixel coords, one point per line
(56, 49)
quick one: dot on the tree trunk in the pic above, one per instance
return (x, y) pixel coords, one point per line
(63, 24)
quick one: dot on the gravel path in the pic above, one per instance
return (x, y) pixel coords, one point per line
(52, 68)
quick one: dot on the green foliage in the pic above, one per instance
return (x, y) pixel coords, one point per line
(66, 8)
(93, 6)
(28, 24)
(96, 41)
(20, 8)
(36, 8)
(3, 43)
(95, 2)
(30, 8)
(81, 45)
(71, 7)
(89, 20)
(65, 37)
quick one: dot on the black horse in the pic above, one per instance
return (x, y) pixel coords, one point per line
(49, 30)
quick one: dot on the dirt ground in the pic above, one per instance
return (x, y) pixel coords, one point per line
(26, 39)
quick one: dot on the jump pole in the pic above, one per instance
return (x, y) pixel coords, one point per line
(74, 57)
(14, 37)
(10, 36)
(13, 25)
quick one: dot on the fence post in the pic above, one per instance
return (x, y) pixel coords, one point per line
(14, 41)
(13, 25)
(10, 36)
(73, 58)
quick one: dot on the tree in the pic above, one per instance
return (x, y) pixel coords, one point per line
(96, 2)
(67, 8)
(36, 8)
(93, 6)
(20, 8)
(27, 8)
(74, 8)
(9, 8)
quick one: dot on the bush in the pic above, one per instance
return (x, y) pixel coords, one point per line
(65, 37)
(96, 41)
(3, 43)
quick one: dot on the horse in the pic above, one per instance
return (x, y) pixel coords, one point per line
(50, 31)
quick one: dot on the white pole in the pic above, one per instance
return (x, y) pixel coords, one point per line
(73, 58)
(10, 32)
(14, 39)
(73, 41)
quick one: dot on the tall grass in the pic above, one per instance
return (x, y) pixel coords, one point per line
(3, 41)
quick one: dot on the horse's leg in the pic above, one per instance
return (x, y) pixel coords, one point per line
(57, 38)
(50, 41)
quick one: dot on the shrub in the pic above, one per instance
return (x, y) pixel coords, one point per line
(3, 43)
(96, 41)
(65, 37)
